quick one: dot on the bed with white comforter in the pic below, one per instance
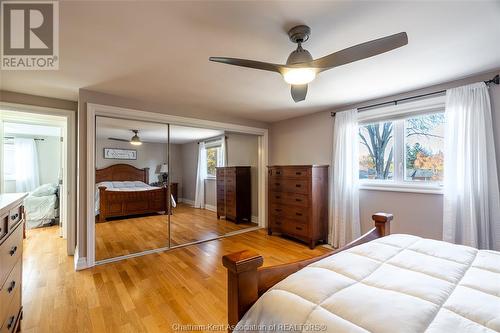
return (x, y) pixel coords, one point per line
(398, 283)
(126, 186)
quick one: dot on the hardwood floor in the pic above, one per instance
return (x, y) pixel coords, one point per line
(143, 294)
(125, 236)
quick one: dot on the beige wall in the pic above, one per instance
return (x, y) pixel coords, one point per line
(18, 98)
(149, 155)
(308, 140)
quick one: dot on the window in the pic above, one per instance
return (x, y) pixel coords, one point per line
(404, 151)
(214, 159)
(9, 160)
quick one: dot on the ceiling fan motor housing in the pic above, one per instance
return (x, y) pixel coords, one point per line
(298, 56)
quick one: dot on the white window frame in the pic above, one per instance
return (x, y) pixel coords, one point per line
(219, 156)
(11, 147)
(397, 115)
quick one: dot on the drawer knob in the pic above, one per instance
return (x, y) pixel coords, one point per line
(13, 250)
(298, 200)
(13, 217)
(298, 173)
(278, 197)
(278, 209)
(11, 287)
(277, 184)
(298, 185)
(11, 322)
(298, 214)
(278, 222)
(298, 228)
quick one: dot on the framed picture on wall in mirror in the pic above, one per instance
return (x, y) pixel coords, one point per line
(120, 154)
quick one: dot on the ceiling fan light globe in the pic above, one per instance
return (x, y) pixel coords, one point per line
(299, 75)
(136, 143)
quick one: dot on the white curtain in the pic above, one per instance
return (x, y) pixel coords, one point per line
(27, 173)
(223, 151)
(201, 175)
(471, 196)
(344, 204)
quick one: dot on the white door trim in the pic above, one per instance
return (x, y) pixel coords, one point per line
(94, 110)
(70, 116)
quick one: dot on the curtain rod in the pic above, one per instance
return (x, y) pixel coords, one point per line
(13, 137)
(213, 139)
(495, 80)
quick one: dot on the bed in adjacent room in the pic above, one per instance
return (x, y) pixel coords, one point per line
(42, 206)
(123, 190)
(379, 283)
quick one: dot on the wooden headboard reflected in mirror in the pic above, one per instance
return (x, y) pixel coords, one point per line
(121, 172)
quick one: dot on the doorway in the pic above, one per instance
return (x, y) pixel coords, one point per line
(38, 159)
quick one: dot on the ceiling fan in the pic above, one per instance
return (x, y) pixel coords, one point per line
(135, 140)
(301, 68)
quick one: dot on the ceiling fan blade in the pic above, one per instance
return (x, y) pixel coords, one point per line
(299, 92)
(361, 51)
(116, 139)
(266, 66)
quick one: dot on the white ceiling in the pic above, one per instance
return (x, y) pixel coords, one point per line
(151, 132)
(158, 51)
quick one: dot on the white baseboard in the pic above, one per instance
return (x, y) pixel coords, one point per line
(255, 219)
(187, 201)
(211, 208)
(80, 262)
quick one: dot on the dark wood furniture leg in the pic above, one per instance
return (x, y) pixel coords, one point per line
(247, 280)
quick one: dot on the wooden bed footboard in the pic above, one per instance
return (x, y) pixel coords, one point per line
(124, 203)
(247, 280)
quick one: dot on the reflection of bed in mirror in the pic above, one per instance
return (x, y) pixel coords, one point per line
(123, 190)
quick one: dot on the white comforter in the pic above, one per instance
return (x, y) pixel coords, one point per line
(398, 283)
(123, 186)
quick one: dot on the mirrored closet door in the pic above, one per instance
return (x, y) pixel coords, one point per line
(131, 187)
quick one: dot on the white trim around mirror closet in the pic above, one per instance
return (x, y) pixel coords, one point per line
(94, 110)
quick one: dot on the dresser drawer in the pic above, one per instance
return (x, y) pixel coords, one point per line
(287, 198)
(296, 228)
(277, 222)
(295, 172)
(10, 252)
(15, 216)
(299, 214)
(12, 314)
(290, 185)
(4, 222)
(9, 289)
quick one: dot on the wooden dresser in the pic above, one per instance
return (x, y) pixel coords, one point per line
(298, 202)
(234, 200)
(11, 250)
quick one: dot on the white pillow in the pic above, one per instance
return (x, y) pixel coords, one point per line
(45, 189)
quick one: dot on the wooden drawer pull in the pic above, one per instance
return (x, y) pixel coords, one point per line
(278, 209)
(278, 222)
(298, 173)
(13, 250)
(298, 200)
(11, 287)
(298, 185)
(277, 197)
(298, 228)
(15, 216)
(277, 184)
(11, 322)
(298, 214)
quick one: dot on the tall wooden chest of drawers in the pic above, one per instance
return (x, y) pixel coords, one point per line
(298, 202)
(11, 249)
(234, 200)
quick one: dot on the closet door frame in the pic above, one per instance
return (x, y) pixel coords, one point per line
(94, 110)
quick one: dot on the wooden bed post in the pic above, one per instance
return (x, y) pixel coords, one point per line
(383, 223)
(102, 206)
(242, 283)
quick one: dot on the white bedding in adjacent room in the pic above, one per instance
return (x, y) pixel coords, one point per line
(41, 206)
(123, 186)
(398, 283)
